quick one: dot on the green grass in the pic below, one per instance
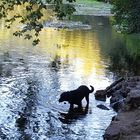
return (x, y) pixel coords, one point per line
(88, 2)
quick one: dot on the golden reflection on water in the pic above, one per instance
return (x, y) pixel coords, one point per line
(79, 51)
(81, 48)
(77, 48)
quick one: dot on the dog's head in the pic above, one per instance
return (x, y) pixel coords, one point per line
(63, 97)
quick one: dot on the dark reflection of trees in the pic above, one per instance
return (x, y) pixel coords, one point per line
(2, 135)
(125, 58)
(5, 66)
(6, 57)
(23, 120)
(57, 64)
(121, 51)
(8, 63)
(73, 115)
(1, 70)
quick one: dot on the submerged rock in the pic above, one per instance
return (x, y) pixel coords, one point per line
(102, 107)
(100, 95)
(110, 91)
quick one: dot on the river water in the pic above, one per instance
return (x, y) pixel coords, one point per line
(32, 79)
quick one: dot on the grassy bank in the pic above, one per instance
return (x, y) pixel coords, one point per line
(88, 2)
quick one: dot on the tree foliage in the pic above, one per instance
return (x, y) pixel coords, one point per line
(32, 19)
(126, 13)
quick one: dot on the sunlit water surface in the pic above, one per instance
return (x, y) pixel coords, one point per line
(32, 79)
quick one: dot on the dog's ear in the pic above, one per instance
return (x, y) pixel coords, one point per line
(65, 96)
(62, 97)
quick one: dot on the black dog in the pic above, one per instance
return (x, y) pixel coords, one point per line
(76, 96)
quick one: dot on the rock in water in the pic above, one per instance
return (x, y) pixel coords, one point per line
(102, 107)
(100, 95)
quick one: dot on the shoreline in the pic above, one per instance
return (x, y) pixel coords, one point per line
(92, 9)
(125, 100)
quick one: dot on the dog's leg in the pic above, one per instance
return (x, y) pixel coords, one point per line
(71, 107)
(80, 105)
(87, 99)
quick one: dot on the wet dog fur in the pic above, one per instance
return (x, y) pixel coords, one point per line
(76, 96)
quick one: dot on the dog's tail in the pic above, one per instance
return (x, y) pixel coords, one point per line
(92, 89)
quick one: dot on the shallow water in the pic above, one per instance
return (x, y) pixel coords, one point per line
(32, 79)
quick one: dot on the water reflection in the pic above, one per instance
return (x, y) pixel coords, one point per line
(73, 115)
(125, 59)
(122, 51)
(32, 78)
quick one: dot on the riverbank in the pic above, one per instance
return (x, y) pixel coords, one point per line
(125, 99)
(84, 8)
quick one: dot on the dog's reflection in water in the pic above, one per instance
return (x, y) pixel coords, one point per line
(73, 115)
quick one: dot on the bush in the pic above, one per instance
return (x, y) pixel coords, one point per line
(126, 13)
